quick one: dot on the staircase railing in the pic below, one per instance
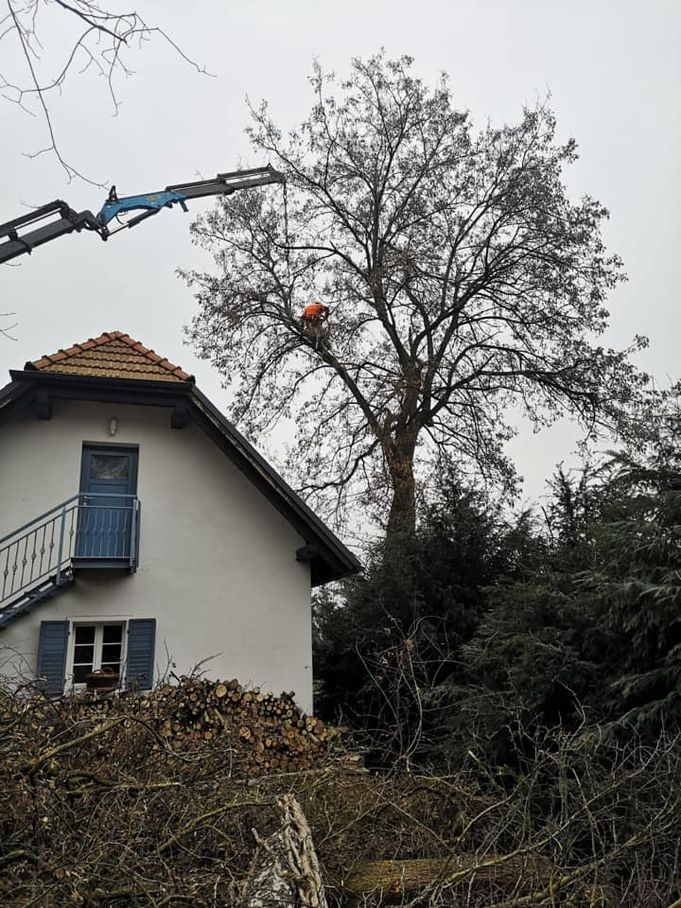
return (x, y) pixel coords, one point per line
(95, 528)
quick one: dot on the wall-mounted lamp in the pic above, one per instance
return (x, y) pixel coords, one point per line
(113, 425)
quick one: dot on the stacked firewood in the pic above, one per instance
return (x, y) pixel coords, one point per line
(278, 735)
(270, 733)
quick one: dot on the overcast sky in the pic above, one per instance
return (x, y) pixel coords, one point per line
(613, 68)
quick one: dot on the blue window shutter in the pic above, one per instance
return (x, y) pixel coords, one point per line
(141, 649)
(54, 636)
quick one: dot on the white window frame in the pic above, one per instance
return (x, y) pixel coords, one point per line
(99, 624)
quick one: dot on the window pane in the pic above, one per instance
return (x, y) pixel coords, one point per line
(111, 652)
(80, 673)
(103, 641)
(113, 633)
(85, 633)
(85, 653)
(109, 466)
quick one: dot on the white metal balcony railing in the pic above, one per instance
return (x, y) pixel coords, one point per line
(88, 529)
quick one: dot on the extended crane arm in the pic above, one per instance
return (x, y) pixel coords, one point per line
(42, 225)
(57, 219)
(180, 193)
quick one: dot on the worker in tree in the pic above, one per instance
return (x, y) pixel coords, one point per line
(313, 320)
(315, 312)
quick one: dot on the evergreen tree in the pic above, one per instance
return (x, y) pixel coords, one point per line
(393, 635)
(592, 633)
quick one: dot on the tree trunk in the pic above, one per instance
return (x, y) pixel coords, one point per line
(395, 882)
(402, 516)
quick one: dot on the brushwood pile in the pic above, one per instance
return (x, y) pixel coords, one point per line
(167, 799)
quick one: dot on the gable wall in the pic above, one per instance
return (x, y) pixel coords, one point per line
(217, 561)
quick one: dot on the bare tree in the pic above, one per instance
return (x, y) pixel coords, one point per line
(96, 38)
(460, 277)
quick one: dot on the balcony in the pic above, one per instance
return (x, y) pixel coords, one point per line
(90, 531)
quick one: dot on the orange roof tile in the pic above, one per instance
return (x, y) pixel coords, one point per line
(111, 355)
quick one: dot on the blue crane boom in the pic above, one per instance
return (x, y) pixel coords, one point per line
(56, 219)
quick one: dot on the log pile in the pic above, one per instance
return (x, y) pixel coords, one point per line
(270, 733)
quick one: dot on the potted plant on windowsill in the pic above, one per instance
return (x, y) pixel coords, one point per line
(102, 681)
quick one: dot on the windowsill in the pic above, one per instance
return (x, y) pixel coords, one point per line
(79, 690)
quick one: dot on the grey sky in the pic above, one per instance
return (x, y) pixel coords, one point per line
(613, 68)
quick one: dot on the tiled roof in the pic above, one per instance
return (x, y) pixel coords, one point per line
(111, 355)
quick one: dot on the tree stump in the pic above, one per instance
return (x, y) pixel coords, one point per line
(285, 871)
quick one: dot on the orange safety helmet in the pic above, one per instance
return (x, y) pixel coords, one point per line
(314, 310)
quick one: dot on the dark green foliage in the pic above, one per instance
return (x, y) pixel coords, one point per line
(639, 584)
(474, 627)
(394, 634)
(593, 632)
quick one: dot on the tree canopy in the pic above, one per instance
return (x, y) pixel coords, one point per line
(461, 278)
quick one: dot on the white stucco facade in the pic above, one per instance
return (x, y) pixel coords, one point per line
(217, 564)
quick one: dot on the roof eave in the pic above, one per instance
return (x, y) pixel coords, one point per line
(334, 560)
(63, 378)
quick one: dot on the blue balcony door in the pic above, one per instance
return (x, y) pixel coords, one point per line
(108, 484)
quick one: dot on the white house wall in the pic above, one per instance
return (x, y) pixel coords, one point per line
(217, 562)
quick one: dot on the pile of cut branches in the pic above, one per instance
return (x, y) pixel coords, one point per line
(129, 802)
